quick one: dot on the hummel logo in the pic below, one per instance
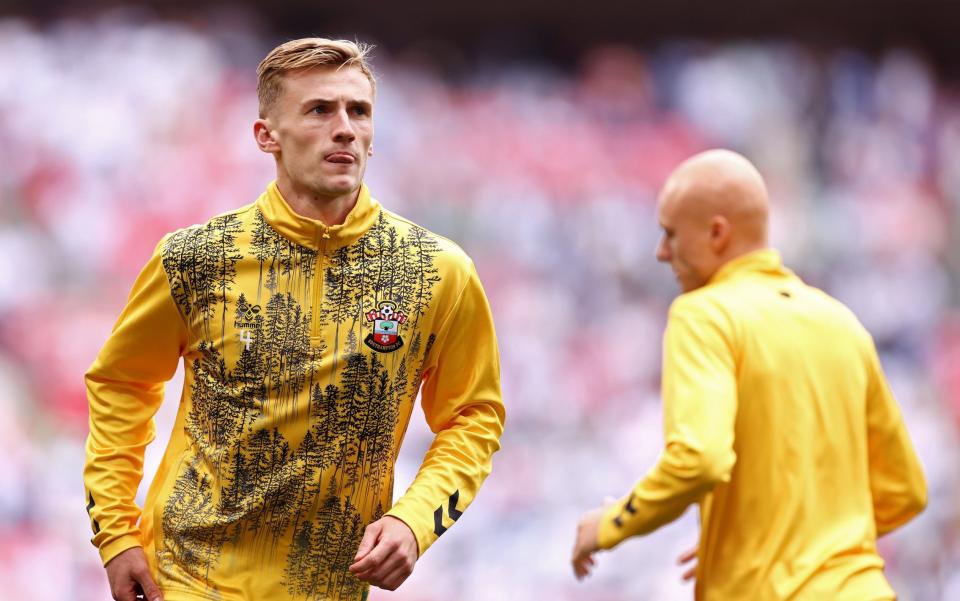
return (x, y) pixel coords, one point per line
(91, 505)
(438, 527)
(251, 313)
(628, 507)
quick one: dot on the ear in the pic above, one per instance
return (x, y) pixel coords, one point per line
(720, 233)
(370, 151)
(264, 137)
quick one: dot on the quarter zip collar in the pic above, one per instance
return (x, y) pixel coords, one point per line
(766, 261)
(311, 232)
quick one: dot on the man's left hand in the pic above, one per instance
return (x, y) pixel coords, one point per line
(586, 543)
(387, 553)
(686, 558)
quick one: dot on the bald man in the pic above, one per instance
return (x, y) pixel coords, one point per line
(778, 420)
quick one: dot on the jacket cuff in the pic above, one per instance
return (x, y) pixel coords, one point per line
(118, 546)
(609, 535)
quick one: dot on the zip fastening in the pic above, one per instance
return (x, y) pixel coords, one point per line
(318, 282)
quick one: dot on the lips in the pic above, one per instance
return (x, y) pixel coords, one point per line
(341, 157)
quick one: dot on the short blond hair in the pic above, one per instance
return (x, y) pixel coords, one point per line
(304, 53)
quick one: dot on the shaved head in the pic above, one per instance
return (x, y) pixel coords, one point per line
(713, 208)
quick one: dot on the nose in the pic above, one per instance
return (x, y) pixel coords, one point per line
(663, 250)
(343, 129)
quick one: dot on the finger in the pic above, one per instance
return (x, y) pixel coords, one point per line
(582, 563)
(581, 567)
(577, 570)
(378, 572)
(687, 556)
(151, 592)
(372, 560)
(689, 574)
(125, 594)
(394, 579)
(395, 562)
(370, 535)
(369, 571)
(126, 588)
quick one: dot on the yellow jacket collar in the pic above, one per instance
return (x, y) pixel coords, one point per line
(766, 261)
(311, 232)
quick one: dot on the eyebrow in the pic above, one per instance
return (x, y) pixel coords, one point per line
(352, 101)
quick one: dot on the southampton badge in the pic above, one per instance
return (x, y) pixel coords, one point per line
(386, 328)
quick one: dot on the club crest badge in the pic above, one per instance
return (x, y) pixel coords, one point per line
(386, 328)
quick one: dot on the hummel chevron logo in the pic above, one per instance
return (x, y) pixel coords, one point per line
(438, 527)
(91, 505)
(629, 508)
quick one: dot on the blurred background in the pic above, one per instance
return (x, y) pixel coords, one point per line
(536, 135)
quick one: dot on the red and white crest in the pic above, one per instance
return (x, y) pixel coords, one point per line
(386, 328)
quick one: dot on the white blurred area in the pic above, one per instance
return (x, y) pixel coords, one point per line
(114, 132)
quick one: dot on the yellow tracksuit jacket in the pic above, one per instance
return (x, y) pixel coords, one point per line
(779, 422)
(304, 347)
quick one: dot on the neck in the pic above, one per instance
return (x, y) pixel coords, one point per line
(735, 251)
(330, 210)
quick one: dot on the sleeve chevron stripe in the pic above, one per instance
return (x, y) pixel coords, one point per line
(438, 527)
(95, 523)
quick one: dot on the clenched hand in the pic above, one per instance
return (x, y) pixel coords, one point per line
(387, 553)
(129, 576)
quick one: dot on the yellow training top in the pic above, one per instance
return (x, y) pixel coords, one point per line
(304, 347)
(779, 422)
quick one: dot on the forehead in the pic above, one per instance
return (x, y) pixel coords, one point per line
(327, 82)
(667, 203)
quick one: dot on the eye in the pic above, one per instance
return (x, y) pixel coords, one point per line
(320, 109)
(360, 111)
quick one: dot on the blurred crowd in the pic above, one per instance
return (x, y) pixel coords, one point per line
(115, 131)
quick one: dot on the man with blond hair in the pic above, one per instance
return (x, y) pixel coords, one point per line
(777, 417)
(308, 321)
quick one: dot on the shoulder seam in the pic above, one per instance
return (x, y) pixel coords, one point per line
(393, 215)
(456, 303)
(235, 212)
(160, 250)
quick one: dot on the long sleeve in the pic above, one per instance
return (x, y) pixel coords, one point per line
(897, 484)
(124, 390)
(699, 407)
(462, 404)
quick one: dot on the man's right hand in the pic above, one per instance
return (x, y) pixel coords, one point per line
(129, 576)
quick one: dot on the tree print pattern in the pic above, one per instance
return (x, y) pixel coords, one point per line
(290, 459)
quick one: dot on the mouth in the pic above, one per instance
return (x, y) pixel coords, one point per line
(342, 158)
